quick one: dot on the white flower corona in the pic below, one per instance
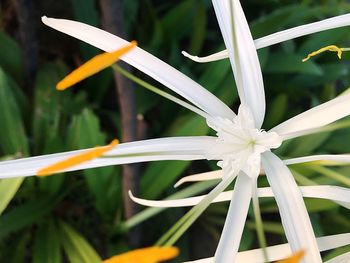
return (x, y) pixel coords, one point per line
(241, 147)
(240, 144)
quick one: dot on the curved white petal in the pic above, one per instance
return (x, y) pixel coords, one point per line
(145, 62)
(295, 32)
(214, 57)
(243, 56)
(278, 37)
(316, 117)
(295, 219)
(177, 148)
(334, 193)
(279, 252)
(200, 177)
(235, 221)
(327, 159)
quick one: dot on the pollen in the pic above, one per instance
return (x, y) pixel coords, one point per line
(77, 159)
(331, 48)
(93, 66)
(295, 258)
(145, 255)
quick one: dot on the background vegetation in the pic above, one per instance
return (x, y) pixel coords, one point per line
(83, 216)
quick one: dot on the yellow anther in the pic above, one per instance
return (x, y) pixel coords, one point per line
(145, 255)
(295, 258)
(77, 159)
(93, 66)
(332, 48)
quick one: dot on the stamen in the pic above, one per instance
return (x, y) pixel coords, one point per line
(295, 258)
(77, 159)
(145, 255)
(331, 48)
(93, 66)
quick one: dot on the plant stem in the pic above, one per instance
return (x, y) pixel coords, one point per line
(113, 22)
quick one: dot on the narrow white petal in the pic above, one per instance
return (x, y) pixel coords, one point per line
(145, 62)
(200, 177)
(214, 57)
(316, 117)
(344, 258)
(279, 252)
(328, 159)
(236, 216)
(278, 37)
(177, 148)
(295, 32)
(295, 219)
(329, 192)
(243, 57)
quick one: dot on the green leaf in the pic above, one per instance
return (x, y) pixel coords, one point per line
(166, 172)
(11, 59)
(8, 189)
(215, 74)
(280, 62)
(19, 250)
(307, 144)
(198, 35)
(26, 214)
(316, 205)
(47, 244)
(76, 247)
(276, 110)
(103, 183)
(12, 136)
(47, 104)
(13, 139)
(175, 27)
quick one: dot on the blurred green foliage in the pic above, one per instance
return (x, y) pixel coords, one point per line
(81, 213)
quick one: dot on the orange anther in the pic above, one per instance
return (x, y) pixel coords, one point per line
(145, 255)
(93, 66)
(77, 159)
(295, 258)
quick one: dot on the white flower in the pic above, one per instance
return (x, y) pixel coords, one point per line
(240, 146)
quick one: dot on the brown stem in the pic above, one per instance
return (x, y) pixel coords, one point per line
(113, 22)
(25, 10)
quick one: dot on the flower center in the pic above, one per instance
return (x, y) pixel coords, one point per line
(239, 144)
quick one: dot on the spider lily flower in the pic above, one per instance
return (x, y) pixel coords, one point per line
(145, 255)
(241, 146)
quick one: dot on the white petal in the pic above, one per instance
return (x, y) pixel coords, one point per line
(214, 57)
(295, 32)
(279, 252)
(278, 37)
(316, 117)
(236, 217)
(329, 192)
(243, 57)
(344, 258)
(200, 177)
(327, 159)
(177, 148)
(295, 219)
(145, 62)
